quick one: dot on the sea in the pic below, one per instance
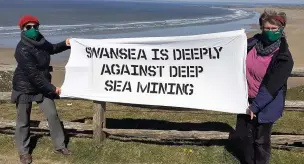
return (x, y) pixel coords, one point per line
(120, 19)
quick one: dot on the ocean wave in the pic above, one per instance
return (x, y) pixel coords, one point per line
(237, 14)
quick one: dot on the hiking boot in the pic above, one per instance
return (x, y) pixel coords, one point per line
(25, 159)
(64, 151)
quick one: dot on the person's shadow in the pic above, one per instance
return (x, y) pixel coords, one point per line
(35, 134)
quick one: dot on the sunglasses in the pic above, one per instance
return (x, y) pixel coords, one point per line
(28, 27)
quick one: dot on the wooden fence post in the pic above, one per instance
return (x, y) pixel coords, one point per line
(99, 122)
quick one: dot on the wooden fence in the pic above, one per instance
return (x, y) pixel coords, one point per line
(100, 132)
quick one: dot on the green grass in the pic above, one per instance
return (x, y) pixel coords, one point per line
(291, 122)
(6, 81)
(114, 151)
(85, 151)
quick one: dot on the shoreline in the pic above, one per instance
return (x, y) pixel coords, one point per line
(293, 31)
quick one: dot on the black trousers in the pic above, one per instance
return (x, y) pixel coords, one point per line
(252, 140)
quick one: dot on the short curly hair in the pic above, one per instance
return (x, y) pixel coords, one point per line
(273, 17)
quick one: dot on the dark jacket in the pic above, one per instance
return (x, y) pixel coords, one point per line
(269, 103)
(32, 75)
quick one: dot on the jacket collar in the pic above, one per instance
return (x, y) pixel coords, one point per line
(251, 42)
(32, 43)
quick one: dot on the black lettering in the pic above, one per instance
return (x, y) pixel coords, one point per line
(201, 53)
(171, 88)
(105, 53)
(161, 70)
(152, 71)
(105, 69)
(177, 54)
(132, 53)
(142, 54)
(162, 88)
(182, 70)
(187, 54)
(188, 89)
(113, 53)
(165, 88)
(164, 53)
(179, 89)
(218, 51)
(109, 86)
(127, 87)
(141, 89)
(173, 71)
(88, 50)
(96, 52)
(118, 86)
(210, 54)
(205, 51)
(153, 87)
(125, 70)
(195, 54)
(199, 69)
(123, 53)
(155, 54)
(134, 73)
(191, 71)
(143, 70)
(115, 71)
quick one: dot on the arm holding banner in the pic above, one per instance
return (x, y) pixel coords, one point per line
(59, 47)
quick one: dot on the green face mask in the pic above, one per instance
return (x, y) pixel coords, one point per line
(32, 33)
(273, 35)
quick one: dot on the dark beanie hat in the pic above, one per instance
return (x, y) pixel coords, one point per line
(26, 19)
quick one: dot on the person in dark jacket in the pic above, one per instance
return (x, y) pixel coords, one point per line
(268, 65)
(32, 83)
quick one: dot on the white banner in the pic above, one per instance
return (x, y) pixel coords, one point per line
(201, 71)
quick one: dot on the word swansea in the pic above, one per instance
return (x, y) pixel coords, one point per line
(116, 53)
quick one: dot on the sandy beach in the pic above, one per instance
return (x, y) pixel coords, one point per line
(293, 31)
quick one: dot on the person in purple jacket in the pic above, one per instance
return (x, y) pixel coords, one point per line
(268, 65)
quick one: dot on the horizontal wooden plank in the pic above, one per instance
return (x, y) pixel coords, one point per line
(289, 148)
(152, 134)
(193, 135)
(13, 67)
(7, 67)
(44, 125)
(297, 72)
(5, 95)
(294, 104)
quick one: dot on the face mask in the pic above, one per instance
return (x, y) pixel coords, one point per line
(272, 35)
(32, 33)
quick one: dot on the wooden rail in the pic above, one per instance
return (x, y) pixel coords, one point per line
(100, 132)
(159, 135)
